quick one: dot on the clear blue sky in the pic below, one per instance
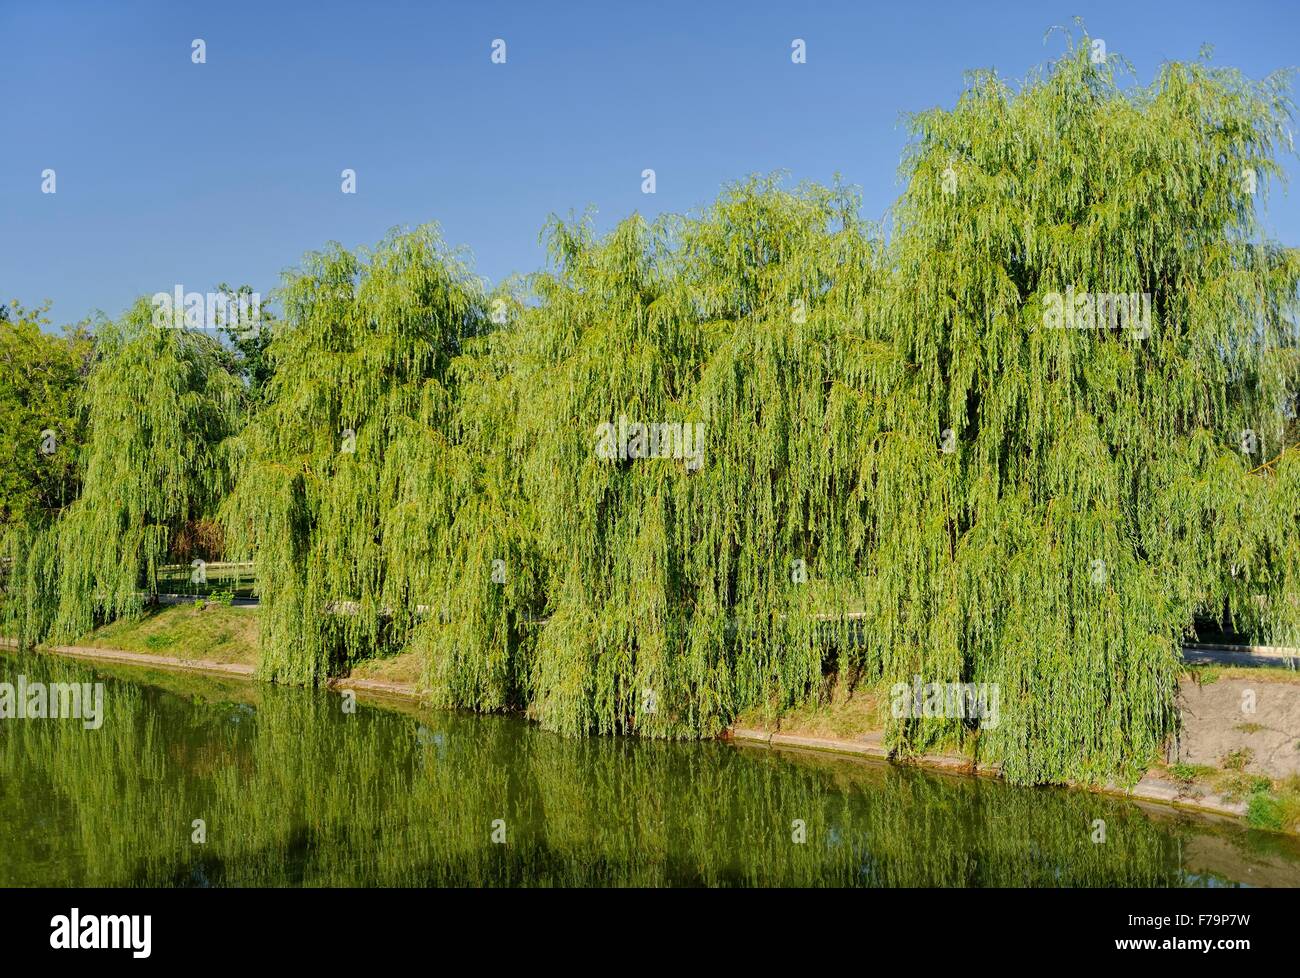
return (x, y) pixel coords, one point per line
(171, 172)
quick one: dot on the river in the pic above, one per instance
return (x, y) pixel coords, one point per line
(192, 780)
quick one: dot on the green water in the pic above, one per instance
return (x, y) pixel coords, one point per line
(296, 791)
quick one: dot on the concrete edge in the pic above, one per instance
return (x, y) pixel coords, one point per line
(374, 686)
(1148, 789)
(1167, 793)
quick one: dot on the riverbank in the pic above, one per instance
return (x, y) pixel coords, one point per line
(210, 636)
(1153, 786)
(1226, 760)
(844, 723)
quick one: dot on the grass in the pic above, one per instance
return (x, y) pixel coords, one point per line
(1277, 809)
(1208, 674)
(841, 711)
(214, 632)
(1191, 773)
(401, 668)
(220, 633)
(1270, 804)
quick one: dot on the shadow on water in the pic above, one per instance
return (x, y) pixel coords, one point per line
(292, 790)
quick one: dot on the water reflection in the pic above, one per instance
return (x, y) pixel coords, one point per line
(291, 790)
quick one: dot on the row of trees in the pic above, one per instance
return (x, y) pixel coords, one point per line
(905, 471)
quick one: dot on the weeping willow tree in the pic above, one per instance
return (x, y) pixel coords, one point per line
(652, 436)
(1029, 438)
(347, 476)
(1104, 485)
(159, 403)
(915, 438)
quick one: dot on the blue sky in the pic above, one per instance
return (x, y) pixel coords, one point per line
(171, 172)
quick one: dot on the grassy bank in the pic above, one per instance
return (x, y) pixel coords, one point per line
(220, 633)
(211, 631)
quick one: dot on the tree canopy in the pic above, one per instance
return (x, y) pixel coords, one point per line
(1028, 433)
(913, 461)
(40, 414)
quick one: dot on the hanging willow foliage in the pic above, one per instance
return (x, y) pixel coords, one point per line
(1096, 497)
(159, 404)
(887, 460)
(347, 474)
(1105, 485)
(671, 593)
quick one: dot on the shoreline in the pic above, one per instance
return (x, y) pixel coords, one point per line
(868, 748)
(237, 669)
(1148, 789)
